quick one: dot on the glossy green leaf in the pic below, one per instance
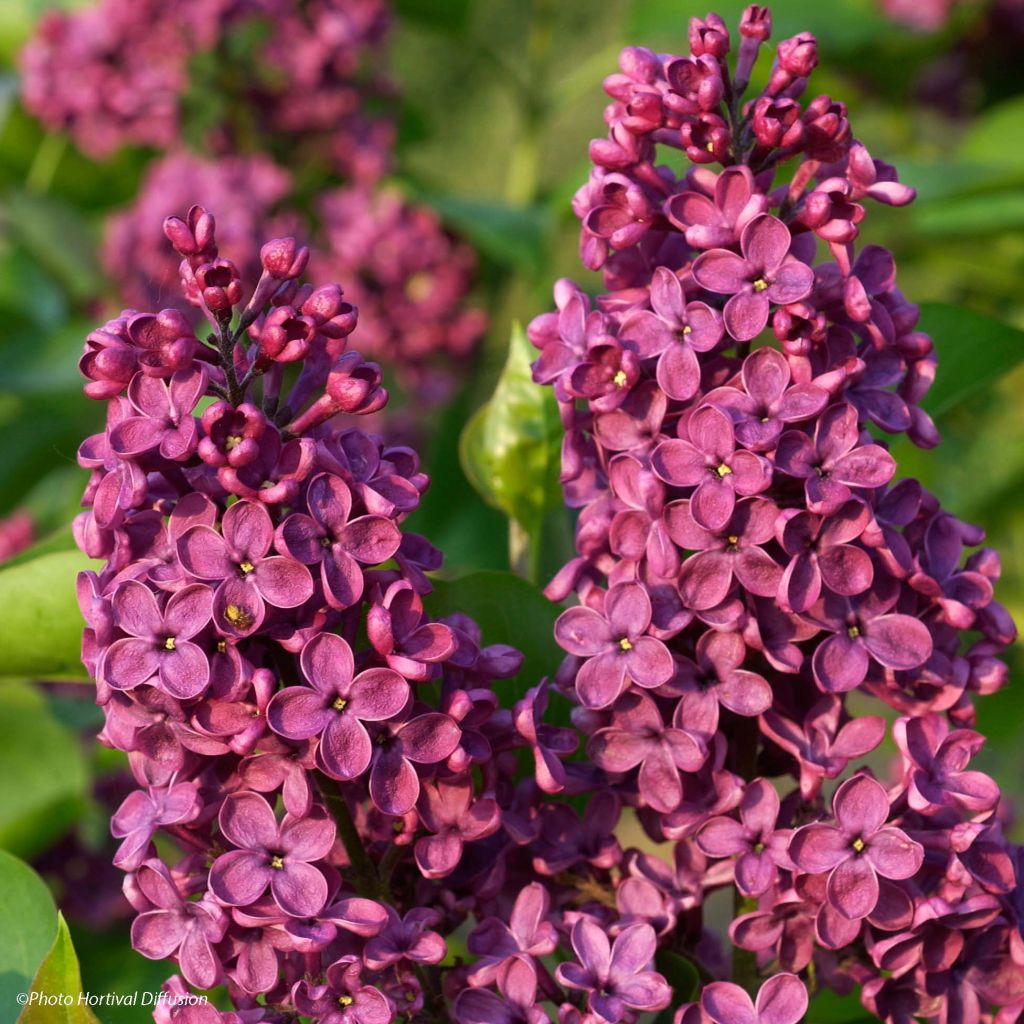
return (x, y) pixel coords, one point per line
(47, 761)
(511, 447)
(509, 610)
(973, 351)
(680, 973)
(58, 984)
(40, 624)
(28, 921)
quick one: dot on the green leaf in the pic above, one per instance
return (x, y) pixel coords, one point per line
(511, 447)
(40, 624)
(49, 765)
(58, 979)
(28, 920)
(509, 610)
(971, 216)
(829, 1008)
(507, 234)
(986, 141)
(680, 973)
(451, 16)
(973, 351)
(54, 232)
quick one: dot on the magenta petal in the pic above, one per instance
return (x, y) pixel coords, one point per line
(746, 314)
(204, 554)
(394, 784)
(616, 750)
(307, 839)
(782, 1000)
(200, 966)
(712, 503)
(679, 463)
(283, 582)
(867, 466)
(722, 837)
(755, 873)
(792, 282)
(898, 641)
(188, 611)
(299, 536)
(136, 610)
(377, 694)
(590, 943)
(600, 680)
(819, 848)
(248, 821)
(861, 806)
(726, 1003)
(893, 854)
(853, 888)
(846, 570)
(706, 578)
(678, 372)
(342, 578)
(659, 779)
(129, 662)
(649, 663)
(345, 748)
(721, 271)
(583, 632)
(840, 664)
(438, 855)
(157, 934)
(298, 713)
(299, 889)
(248, 529)
(185, 671)
(328, 664)
(239, 878)
(429, 738)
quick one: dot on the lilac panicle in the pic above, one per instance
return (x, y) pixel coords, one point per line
(724, 400)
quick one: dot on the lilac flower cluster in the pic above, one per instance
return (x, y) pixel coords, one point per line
(318, 750)
(313, 77)
(85, 72)
(746, 559)
(409, 279)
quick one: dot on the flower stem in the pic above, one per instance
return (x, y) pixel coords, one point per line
(364, 874)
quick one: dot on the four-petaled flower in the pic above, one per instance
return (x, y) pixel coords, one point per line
(857, 849)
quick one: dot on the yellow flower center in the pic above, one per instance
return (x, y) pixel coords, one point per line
(277, 862)
(246, 567)
(169, 644)
(723, 470)
(733, 540)
(222, 647)
(233, 441)
(340, 704)
(625, 644)
(238, 616)
(858, 844)
(687, 329)
(760, 285)
(344, 1000)
(853, 632)
(620, 379)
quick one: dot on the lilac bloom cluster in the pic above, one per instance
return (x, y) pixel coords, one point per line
(17, 532)
(746, 561)
(409, 279)
(313, 80)
(85, 73)
(321, 756)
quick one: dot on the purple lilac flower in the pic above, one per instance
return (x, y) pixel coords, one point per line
(858, 849)
(279, 856)
(614, 975)
(336, 705)
(766, 273)
(614, 644)
(780, 1000)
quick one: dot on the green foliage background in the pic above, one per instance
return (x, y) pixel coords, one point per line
(501, 98)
